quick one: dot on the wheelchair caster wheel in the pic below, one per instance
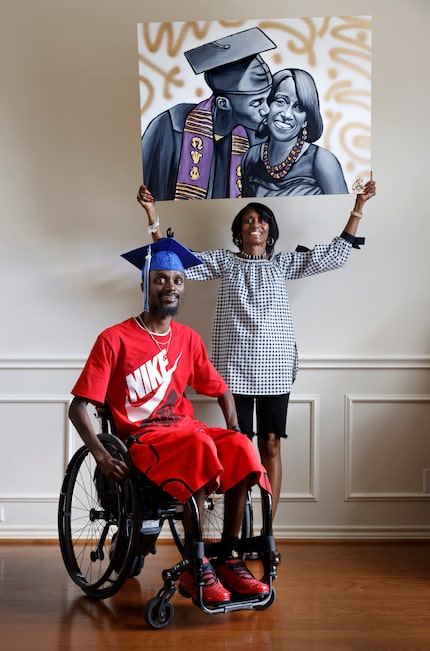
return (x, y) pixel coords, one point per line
(155, 615)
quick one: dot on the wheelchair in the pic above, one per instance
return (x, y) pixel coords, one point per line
(107, 529)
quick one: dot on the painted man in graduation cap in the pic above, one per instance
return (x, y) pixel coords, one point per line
(194, 151)
(141, 368)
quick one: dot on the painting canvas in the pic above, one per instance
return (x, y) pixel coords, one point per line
(255, 108)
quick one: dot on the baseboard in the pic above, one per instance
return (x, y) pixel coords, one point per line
(311, 533)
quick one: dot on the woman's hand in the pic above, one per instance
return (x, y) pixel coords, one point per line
(369, 191)
(146, 200)
(144, 197)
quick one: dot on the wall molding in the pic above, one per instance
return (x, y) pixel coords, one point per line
(281, 532)
(307, 362)
(313, 401)
(46, 398)
(30, 498)
(327, 532)
(62, 363)
(350, 495)
(365, 362)
(55, 366)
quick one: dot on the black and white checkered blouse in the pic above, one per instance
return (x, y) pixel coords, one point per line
(253, 341)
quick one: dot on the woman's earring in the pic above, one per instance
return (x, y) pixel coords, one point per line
(238, 242)
(304, 132)
(270, 241)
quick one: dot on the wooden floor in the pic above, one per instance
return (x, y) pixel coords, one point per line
(329, 597)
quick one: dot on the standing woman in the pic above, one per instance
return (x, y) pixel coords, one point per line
(253, 342)
(288, 162)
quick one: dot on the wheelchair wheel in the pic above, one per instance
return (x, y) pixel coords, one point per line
(98, 527)
(248, 518)
(212, 521)
(157, 614)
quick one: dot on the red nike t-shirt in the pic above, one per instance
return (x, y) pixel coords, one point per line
(142, 384)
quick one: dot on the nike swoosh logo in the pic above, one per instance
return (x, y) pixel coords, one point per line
(136, 414)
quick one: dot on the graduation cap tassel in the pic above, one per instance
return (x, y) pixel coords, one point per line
(145, 274)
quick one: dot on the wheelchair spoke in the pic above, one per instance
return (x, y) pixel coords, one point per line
(98, 538)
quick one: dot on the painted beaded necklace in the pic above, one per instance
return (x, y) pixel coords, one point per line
(281, 169)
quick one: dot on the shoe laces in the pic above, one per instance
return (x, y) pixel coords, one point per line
(238, 566)
(208, 575)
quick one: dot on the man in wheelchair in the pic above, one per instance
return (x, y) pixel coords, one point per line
(141, 369)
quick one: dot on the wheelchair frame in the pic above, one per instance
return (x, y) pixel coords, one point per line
(106, 530)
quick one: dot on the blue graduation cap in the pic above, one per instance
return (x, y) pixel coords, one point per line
(166, 253)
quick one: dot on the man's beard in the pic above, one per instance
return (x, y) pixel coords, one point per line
(167, 310)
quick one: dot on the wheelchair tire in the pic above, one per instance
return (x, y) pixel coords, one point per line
(248, 518)
(98, 543)
(153, 615)
(136, 566)
(212, 521)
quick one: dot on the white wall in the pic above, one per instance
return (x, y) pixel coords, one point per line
(69, 170)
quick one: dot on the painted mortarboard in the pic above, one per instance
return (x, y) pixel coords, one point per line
(166, 253)
(233, 64)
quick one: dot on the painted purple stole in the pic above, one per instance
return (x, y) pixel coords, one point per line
(197, 152)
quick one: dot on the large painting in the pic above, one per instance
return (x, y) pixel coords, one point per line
(255, 108)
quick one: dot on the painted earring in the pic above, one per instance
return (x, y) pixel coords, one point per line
(304, 132)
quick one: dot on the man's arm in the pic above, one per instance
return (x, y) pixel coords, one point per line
(228, 408)
(78, 414)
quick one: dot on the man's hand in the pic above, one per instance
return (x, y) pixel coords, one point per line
(114, 469)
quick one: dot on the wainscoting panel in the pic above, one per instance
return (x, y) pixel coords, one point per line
(358, 441)
(386, 446)
(301, 464)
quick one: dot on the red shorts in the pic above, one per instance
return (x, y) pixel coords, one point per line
(182, 458)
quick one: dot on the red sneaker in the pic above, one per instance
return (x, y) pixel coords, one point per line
(234, 574)
(213, 590)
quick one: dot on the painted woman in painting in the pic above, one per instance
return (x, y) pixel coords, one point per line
(288, 162)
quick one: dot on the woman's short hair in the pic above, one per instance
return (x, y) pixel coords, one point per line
(262, 211)
(307, 94)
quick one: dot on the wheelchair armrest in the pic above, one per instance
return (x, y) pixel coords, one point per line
(104, 415)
